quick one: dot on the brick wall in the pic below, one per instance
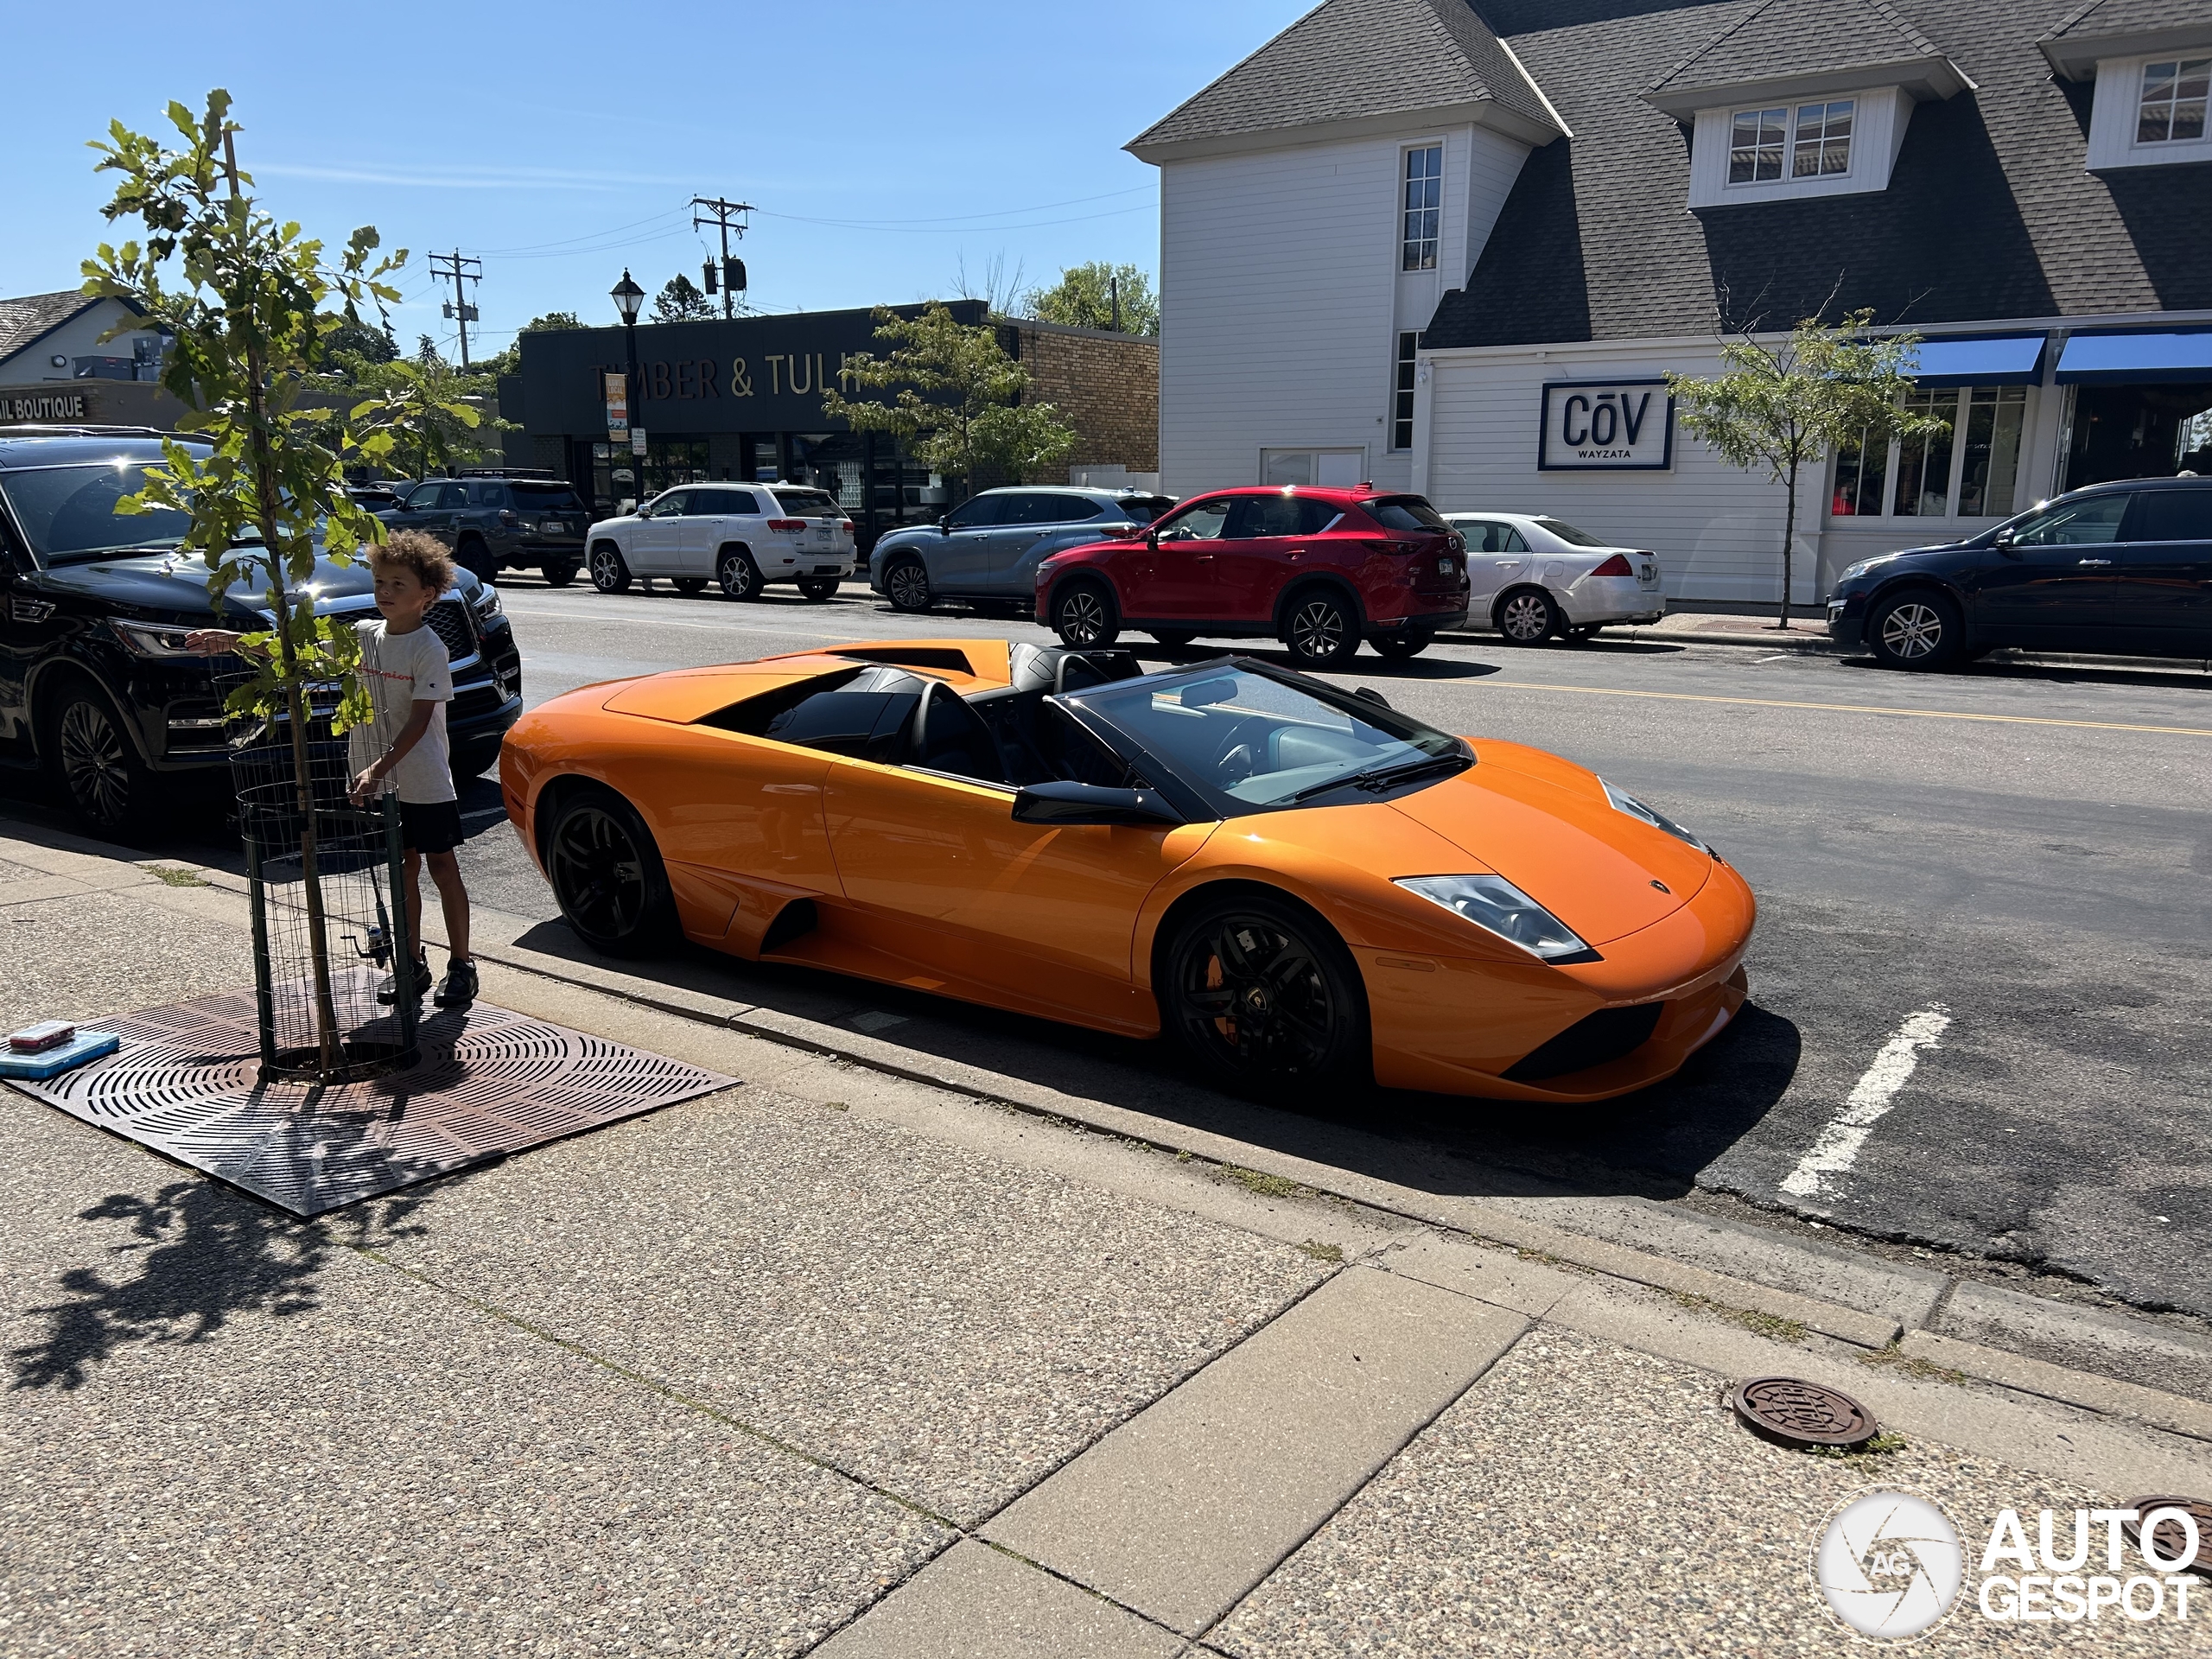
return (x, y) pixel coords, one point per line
(1105, 386)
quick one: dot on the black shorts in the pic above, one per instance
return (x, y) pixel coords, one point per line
(429, 826)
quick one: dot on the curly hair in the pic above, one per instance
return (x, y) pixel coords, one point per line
(411, 550)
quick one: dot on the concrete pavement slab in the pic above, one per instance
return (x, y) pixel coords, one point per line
(109, 952)
(226, 1431)
(1583, 1498)
(1183, 1509)
(975, 1602)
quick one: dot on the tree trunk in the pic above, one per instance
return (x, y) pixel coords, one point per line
(1788, 540)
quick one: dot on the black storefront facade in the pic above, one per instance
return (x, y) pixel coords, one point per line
(737, 399)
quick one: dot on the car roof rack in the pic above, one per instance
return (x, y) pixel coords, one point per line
(505, 472)
(93, 429)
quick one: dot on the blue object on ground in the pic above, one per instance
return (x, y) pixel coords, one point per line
(86, 1046)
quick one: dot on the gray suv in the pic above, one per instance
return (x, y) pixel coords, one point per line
(989, 547)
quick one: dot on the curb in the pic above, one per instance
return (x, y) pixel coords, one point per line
(1820, 646)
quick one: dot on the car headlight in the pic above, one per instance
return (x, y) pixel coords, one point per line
(487, 601)
(1658, 820)
(1496, 905)
(152, 639)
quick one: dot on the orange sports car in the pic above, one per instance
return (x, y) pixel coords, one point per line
(1306, 886)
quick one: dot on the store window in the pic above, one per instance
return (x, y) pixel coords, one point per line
(1815, 139)
(1401, 392)
(670, 461)
(1424, 207)
(1970, 469)
(2139, 431)
(2174, 95)
(1330, 468)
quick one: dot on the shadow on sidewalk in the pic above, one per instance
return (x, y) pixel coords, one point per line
(1651, 1144)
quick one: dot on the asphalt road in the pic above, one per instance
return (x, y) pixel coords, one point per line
(1979, 985)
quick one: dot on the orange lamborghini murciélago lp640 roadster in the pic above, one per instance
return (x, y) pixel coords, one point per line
(1305, 886)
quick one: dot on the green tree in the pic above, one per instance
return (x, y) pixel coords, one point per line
(956, 399)
(427, 407)
(510, 361)
(244, 298)
(1785, 405)
(680, 301)
(370, 342)
(1099, 296)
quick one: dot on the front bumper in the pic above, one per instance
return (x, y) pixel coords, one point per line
(1847, 620)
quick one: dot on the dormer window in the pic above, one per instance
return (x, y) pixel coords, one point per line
(1815, 139)
(2173, 110)
(1823, 147)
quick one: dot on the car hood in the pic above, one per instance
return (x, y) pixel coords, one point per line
(1546, 826)
(164, 586)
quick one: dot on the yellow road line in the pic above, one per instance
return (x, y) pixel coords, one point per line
(1832, 708)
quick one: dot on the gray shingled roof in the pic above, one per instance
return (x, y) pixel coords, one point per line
(23, 320)
(2127, 16)
(1991, 211)
(1780, 38)
(1350, 59)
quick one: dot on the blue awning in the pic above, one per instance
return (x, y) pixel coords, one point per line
(2142, 359)
(1995, 360)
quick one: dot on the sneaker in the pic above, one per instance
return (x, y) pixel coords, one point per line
(458, 989)
(389, 990)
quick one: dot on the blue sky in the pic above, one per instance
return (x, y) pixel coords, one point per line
(885, 146)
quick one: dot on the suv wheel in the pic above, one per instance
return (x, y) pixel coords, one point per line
(906, 584)
(1320, 630)
(739, 576)
(94, 767)
(610, 573)
(1083, 615)
(471, 553)
(689, 585)
(1399, 646)
(558, 572)
(818, 588)
(1528, 617)
(1915, 630)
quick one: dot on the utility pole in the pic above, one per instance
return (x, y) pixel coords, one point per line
(724, 216)
(458, 308)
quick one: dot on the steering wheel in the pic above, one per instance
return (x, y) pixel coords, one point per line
(1237, 758)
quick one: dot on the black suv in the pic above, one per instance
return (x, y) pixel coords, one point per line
(497, 520)
(2122, 567)
(96, 685)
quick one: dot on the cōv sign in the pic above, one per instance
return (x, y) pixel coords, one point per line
(1606, 426)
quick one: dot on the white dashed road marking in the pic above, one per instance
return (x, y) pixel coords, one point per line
(1837, 1149)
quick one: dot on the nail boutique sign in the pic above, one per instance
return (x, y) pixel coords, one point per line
(1606, 426)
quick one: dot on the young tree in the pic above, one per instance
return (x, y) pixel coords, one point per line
(1784, 405)
(679, 301)
(956, 399)
(244, 297)
(1099, 296)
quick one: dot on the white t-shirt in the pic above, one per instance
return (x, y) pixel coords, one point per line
(403, 670)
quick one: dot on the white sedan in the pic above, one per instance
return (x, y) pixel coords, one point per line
(1533, 576)
(740, 536)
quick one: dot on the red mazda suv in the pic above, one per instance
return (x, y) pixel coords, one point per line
(1319, 570)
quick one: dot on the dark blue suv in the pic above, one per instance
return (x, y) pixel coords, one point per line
(2124, 568)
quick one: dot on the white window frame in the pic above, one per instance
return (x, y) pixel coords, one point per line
(1793, 114)
(1404, 379)
(2116, 108)
(2022, 495)
(2183, 62)
(1434, 244)
(1314, 452)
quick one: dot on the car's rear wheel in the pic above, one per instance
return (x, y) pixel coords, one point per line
(473, 759)
(906, 584)
(1320, 631)
(1918, 629)
(610, 571)
(1399, 646)
(473, 555)
(1267, 999)
(1527, 616)
(739, 576)
(558, 572)
(91, 762)
(607, 876)
(818, 588)
(1083, 615)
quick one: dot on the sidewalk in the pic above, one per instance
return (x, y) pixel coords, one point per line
(881, 1352)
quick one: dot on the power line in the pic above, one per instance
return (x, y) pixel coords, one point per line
(459, 308)
(725, 216)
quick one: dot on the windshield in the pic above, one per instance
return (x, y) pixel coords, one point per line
(1569, 534)
(1249, 741)
(69, 513)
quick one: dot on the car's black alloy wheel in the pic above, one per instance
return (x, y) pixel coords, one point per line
(610, 574)
(1083, 615)
(92, 760)
(1528, 617)
(1399, 646)
(476, 558)
(1915, 630)
(1321, 631)
(1267, 998)
(557, 573)
(691, 584)
(818, 588)
(607, 876)
(739, 576)
(906, 584)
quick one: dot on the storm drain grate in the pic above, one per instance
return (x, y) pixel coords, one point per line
(489, 1083)
(1802, 1413)
(2168, 1537)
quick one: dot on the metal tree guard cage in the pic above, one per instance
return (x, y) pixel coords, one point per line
(328, 921)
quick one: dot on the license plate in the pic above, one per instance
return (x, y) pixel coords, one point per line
(822, 534)
(1648, 574)
(1444, 567)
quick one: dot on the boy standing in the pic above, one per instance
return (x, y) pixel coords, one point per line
(401, 750)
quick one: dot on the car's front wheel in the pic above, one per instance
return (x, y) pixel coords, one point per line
(739, 576)
(1321, 631)
(91, 762)
(558, 572)
(610, 571)
(1267, 999)
(818, 588)
(1528, 617)
(1083, 615)
(906, 584)
(474, 759)
(473, 555)
(1915, 630)
(607, 876)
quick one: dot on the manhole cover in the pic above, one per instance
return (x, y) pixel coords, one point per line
(1804, 1413)
(2167, 1537)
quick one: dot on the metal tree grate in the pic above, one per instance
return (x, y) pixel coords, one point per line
(488, 1081)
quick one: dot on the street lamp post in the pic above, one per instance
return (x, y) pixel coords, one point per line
(628, 297)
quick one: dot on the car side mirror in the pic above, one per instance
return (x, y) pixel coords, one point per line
(945, 525)
(2005, 539)
(1152, 538)
(1072, 803)
(1373, 696)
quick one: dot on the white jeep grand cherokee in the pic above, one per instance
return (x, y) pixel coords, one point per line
(742, 536)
